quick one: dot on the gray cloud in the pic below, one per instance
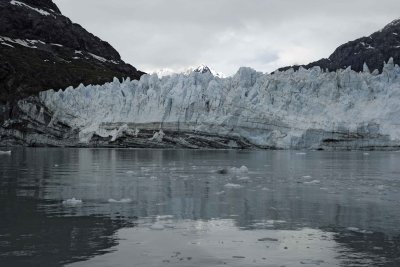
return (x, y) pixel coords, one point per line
(227, 34)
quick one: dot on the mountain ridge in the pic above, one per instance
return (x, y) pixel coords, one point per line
(373, 50)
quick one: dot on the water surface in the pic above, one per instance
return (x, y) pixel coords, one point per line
(172, 208)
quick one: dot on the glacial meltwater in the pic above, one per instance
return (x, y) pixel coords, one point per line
(128, 207)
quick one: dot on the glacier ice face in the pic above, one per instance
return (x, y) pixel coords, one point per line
(301, 109)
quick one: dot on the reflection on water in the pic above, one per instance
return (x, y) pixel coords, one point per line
(289, 209)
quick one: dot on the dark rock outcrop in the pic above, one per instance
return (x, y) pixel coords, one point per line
(373, 50)
(41, 49)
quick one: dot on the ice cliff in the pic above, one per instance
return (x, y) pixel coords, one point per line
(310, 109)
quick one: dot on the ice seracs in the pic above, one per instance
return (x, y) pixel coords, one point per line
(290, 109)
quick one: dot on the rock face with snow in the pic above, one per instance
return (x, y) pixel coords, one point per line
(201, 69)
(373, 50)
(42, 49)
(307, 109)
(205, 69)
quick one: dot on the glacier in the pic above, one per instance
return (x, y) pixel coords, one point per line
(304, 109)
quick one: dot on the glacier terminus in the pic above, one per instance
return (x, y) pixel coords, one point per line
(304, 109)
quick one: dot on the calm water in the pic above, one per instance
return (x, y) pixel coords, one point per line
(289, 209)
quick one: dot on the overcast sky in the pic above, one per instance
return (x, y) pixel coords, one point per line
(228, 34)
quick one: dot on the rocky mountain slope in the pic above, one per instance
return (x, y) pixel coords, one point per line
(373, 50)
(41, 49)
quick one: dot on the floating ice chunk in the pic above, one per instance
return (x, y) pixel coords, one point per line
(5, 152)
(366, 154)
(73, 201)
(265, 189)
(313, 182)
(123, 200)
(381, 187)
(130, 172)
(220, 193)
(301, 153)
(145, 169)
(230, 185)
(56, 165)
(242, 169)
(358, 230)
(307, 177)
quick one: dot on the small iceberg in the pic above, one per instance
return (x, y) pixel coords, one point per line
(242, 169)
(358, 230)
(5, 152)
(165, 217)
(313, 182)
(301, 153)
(123, 200)
(230, 185)
(73, 201)
(130, 172)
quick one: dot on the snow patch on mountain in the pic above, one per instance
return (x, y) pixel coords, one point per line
(40, 11)
(205, 69)
(201, 69)
(284, 110)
